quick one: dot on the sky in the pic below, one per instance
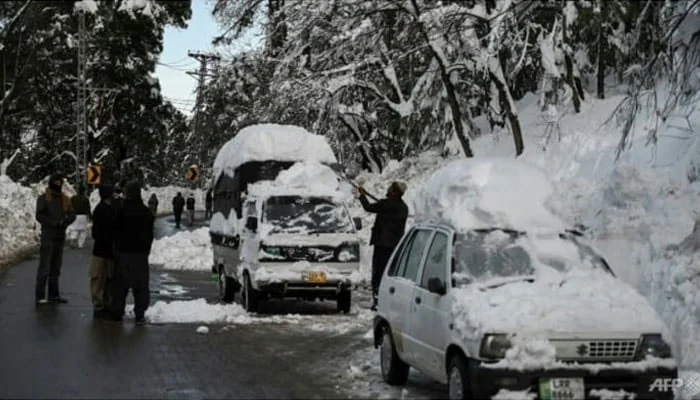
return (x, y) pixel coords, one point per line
(176, 85)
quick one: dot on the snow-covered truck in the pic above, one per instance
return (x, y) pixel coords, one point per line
(280, 227)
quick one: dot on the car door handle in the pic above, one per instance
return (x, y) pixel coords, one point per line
(418, 300)
(391, 290)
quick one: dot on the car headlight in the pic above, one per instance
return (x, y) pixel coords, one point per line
(654, 346)
(494, 346)
(349, 253)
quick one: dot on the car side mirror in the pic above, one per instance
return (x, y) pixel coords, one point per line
(437, 286)
(358, 223)
(252, 224)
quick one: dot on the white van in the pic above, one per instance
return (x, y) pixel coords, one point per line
(275, 240)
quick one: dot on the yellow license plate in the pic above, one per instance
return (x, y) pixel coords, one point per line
(315, 277)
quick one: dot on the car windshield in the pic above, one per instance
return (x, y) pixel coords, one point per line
(493, 254)
(297, 214)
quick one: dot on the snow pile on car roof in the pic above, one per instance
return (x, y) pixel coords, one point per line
(486, 193)
(264, 142)
(303, 178)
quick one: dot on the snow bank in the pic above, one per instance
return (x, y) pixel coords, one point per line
(486, 193)
(186, 250)
(196, 311)
(264, 142)
(17, 205)
(200, 312)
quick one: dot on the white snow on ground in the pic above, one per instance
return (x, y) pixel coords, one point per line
(198, 311)
(272, 142)
(185, 250)
(17, 204)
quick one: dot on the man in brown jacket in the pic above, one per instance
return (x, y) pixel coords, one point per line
(55, 213)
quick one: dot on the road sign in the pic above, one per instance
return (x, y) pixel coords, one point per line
(94, 174)
(192, 173)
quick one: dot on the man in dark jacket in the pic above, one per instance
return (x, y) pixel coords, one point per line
(102, 264)
(208, 202)
(153, 204)
(178, 206)
(387, 231)
(190, 210)
(133, 240)
(55, 213)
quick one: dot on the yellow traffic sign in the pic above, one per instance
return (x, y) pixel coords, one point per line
(192, 173)
(94, 174)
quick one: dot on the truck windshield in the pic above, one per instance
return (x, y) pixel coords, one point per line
(297, 214)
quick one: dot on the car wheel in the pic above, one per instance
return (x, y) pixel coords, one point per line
(226, 287)
(344, 301)
(394, 370)
(458, 379)
(249, 297)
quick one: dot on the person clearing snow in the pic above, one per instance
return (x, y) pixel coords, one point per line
(387, 231)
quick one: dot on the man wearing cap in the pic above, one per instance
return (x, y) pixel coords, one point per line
(102, 264)
(388, 229)
(55, 213)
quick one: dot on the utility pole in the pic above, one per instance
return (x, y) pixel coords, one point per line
(203, 72)
(81, 106)
(81, 130)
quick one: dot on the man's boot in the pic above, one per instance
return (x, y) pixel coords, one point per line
(54, 297)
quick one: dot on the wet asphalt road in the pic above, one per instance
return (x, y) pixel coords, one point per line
(58, 351)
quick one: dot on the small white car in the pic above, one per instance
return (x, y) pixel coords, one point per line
(488, 310)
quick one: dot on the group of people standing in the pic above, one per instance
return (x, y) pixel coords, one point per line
(122, 228)
(179, 204)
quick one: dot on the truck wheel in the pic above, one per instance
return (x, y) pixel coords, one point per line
(394, 370)
(458, 378)
(344, 301)
(227, 287)
(249, 297)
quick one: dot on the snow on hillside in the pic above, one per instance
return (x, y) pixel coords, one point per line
(636, 211)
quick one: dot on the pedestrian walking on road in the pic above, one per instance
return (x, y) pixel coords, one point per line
(55, 213)
(81, 206)
(178, 206)
(102, 264)
(388, 229)
(208, 202)
(133, 240)
(190, 210)
(153, 204)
